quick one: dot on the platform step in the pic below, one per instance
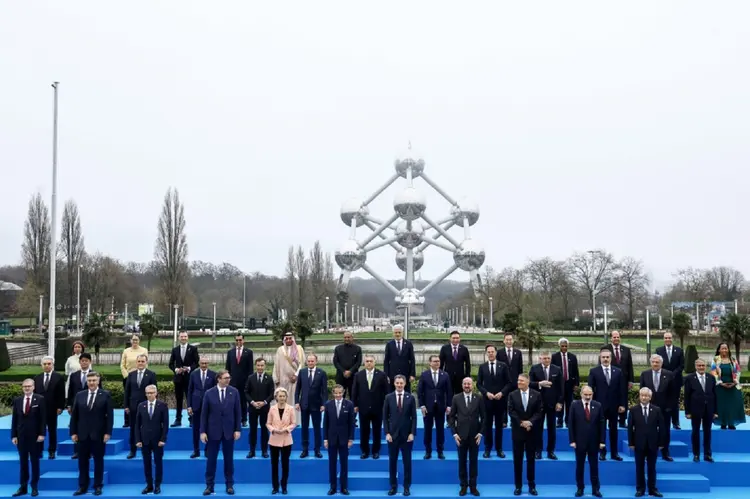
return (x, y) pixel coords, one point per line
(367, 480)
(65, 448)
(676, 449)
(65, 480)
(683, 482)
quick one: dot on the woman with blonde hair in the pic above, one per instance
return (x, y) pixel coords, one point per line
(129, 363)
(730, 404)
(72, 364)
(281, 421)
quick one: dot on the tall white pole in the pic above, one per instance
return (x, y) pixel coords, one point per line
(176, 311)
(648, 333)
(53, 232)
(337, 317)
(213, 331)
(593, 312)
(326, 314)
(492, 315)
(125, 326)
(41, 314)
(606, 336)
(244, 299)
(78, 302)
(735, 307)
(88, 309)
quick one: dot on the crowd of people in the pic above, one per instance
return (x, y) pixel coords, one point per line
(534, 402)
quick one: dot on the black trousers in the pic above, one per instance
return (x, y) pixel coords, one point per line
(592, 455)
(610, 416)
(258, 416)
(51, 420)
(88, 449)
(667, 422)
(642, 457)
(675, 409)
(435, 416)
(212, 456)
(240, 386)
(283, 453)
(133, 408)
(549, 417)
(394, 448)
(520, 448)
(347, 383)
(158, 454)
(126, 417)
(316, 416)
(180, 392)
(468, 449)
(494, 412)
(196, 431)
(705, 420)
(29, 453)
(336, 453)
(365, 421)
(623, 418)
(562, 416)
(457, 383)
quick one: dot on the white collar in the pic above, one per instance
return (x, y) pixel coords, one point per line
(524, 392)
(399, 393)
(435, 372)
(645, 406)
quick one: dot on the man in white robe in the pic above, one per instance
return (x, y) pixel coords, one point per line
(286, 365)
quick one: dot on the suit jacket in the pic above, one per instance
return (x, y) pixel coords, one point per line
(395, 363)
(196, 390)
(54, 395)
(612, 396)
(152, 430)
(192, 358)
(646, 434)
(400, 424)
(666, 397)
(369, 400)
(276, 422)
(587, 435)
(460, 366)
(552, 395)
(467, 421)
(515, 366)
(430, 395)
(135, 394)
(675, 364)
(94, 423)
(28, 427)
(257, 391)
(241, 371)
(338, 429)
(574, 377)
(75, 385)
(220, 420)
(311, 396)
(517, 413)
(697, 400)
(625, 364)
(500, 382)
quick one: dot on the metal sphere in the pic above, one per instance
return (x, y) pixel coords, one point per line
(469, 256)
(353, 208)
(409, 296)
(407, 238)
(417, 258)
(410, 204)
(416, 165)
(350, 257)
(465, 209)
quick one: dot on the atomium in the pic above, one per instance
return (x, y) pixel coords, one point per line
(351, 257)
(417, 258)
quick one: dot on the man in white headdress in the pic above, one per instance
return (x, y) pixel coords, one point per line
(289, 358)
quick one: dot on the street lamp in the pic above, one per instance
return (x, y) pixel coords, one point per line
(41, 314)
(176, 311)
(213, 331)
(244, 299)
(492, 315)
(53, 232)
(337, 316)
(88, 309)
(78, 302)
(326, 314)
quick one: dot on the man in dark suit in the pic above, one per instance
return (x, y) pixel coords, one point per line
(201, 380)
(646, 435)
(51, 385)
(91, 423)
(135, 393)
(400, 426)
(513, 358)
(399, 359)
(623, 360)
(221, 425)
(611, 391)
(239, 365)
(347, 359)
(259, 394)
(338, 431)
(548, 381)
(151, 428)
(456, 361)
(494, 383)
(586, 428)
(310, 395)
(435, 394)
(700, 408)
(182, 362)
(525, 410)
(27, 434)
(368, 395)
(568, 364)
(661, 383)
(77, 384)
(467, 420)
(674, 362)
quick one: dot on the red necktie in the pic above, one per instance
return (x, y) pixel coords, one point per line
(238, 355)
(617, 354)
(586, 410)
(28, 405)
(565, 367)
(400, 407)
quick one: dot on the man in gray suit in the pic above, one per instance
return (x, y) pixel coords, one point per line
(466, 420)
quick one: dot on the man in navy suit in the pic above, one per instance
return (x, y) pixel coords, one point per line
(151, 428)
(400, 425)
(338, 428)
(674, 362)
(494, 384)
(547, 380)
(455, 360)
(399, 358)
(661, 383)
(51, 385)
(700, 408)
(525, 411)
(201, 380)
(183, 360)
(435, 394)
(27, 434)
(513, 358)
(239, 365)
(135, 393)
(368, 395)
(259, 394)
(622, 358)
(77, 384)
(309, 396)
(91, 423)
(610, 387)
(221, 425)
(646, 435)
(586, 428)
(568, 364)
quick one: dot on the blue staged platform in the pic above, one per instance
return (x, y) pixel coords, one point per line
(184, 477)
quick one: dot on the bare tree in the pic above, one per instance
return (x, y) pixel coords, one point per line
(693, 283)
(632, 283)
(726, 283)
(103, 278)
(35, 251)
(512, 289)
(594, 272)
(303, 276)
(72, 247)
(291, 277)
(317, 273)
(542, 275)
(171, 250)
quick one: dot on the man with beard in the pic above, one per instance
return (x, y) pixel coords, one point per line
(347, 359)
(289, 358)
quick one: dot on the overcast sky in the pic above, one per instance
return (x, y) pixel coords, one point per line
(573, 125)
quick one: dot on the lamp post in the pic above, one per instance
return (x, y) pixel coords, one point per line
(176, 311)
(648, 333)
(213, 331)
(606, 335)
(337, 317)
(244, 299)
(492, 315)
(326, 314)
(41, 314)
(593, 297)
(53, 231)
(78, 302)
(88, 309)
(125, 327)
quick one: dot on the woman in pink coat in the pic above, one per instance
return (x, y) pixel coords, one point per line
(281, 421)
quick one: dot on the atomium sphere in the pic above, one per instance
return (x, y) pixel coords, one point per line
(469, 256)
(403, 164)
(350, 256)
(465, 208)
(410, 239)
(410, 204)
(417, 258)
(409, 296)
(353, 208)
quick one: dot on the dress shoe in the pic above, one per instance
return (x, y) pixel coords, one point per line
(147, 490)
(230, 491)
(501, 454)
(677, 427)
(208, 491)
(331, 491)
(639, 493)
(558, 425)
(304, 454)
(517, 492)
(274, 491)
(486, 454)
(364, 455)
(696, 458)
(441, 455)
(462, 492)
(51, 455)
(250, 454)
(97, 491)
(126, 425)
(474, 492)
(551, 455)
(176, 423)
(667, 458)
(265, 454)
(195, 454)
(34, 492)
(131, 455)
(622, 425)
(708, 459)
(732, 427)
(596, 493)
(244, 423)
(602, 457)
(344, 492)
(392, 492)
(283, 491)
(655, 493)
(428, 455)
(157, 490)
(375, 455)
(617, 458)
(74, 456)
(579, 493)
(21, 492)
(318, 454)
(407, 492)
(538, 455)
(533, 492)
(80, 491)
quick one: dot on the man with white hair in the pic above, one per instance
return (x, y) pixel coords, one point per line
(661, 383)
(646, 435)
(399, 358)
(568, 364)
(51, 385)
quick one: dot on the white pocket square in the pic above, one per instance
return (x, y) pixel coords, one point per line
(34, 406)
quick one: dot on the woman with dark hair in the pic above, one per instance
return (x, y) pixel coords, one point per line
(72, 364)
(730, 404)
